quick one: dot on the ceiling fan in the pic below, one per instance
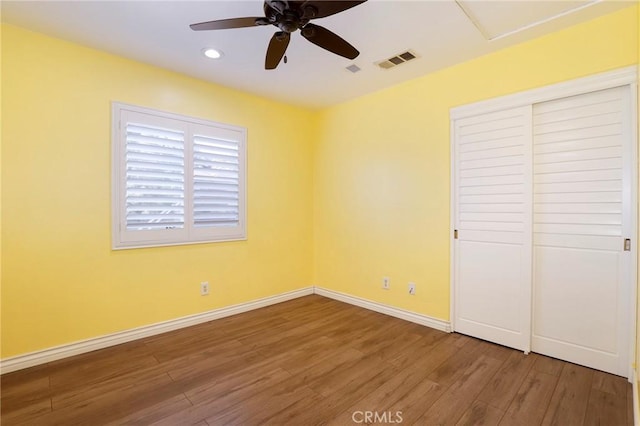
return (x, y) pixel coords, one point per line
(290, 16)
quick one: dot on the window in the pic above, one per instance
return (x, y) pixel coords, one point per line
(176, 179)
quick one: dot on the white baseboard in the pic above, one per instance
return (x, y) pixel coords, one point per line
(32, 359)
(421, 319)
(20, 362)
(636, 401)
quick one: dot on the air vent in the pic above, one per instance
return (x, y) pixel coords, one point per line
(353, 68)
(394, 61)
(407, 56)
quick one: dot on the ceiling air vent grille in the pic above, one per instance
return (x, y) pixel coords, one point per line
(394, 61)
(353, 68)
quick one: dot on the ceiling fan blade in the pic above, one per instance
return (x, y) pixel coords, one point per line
(328, 40)
(326, 8)
(224, 24)
(275, 51)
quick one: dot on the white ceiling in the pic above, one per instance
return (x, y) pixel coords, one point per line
(441, 32)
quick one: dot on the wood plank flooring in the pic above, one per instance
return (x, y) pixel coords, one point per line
(312, 361)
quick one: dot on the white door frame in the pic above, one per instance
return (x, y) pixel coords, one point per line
(627, 76)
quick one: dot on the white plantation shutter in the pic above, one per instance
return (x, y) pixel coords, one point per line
(155, 177)
(177, 180)
(216, 172)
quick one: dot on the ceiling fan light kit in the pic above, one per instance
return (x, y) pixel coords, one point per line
(288, 17)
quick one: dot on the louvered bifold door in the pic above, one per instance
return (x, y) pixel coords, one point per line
(581, 218)
(493, 223)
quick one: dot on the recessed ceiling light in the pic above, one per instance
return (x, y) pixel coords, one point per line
(212, 53)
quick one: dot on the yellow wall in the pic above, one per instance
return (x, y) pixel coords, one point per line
(363, 194)
(61, 282)
(382, 162)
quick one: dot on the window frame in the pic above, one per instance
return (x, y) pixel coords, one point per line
(130, 239)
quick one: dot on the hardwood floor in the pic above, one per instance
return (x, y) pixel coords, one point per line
(313, 361)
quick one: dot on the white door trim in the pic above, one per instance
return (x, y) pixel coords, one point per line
(606, 80)
(620, 77)
(633, 233)
(453, 211)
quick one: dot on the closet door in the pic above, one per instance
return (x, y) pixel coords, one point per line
(493, 222)
(582, 214)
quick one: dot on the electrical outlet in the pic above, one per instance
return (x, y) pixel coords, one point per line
(412, 289)
(386, 284)
(204, 288)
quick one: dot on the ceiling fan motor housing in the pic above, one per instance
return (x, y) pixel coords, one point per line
(289, 16)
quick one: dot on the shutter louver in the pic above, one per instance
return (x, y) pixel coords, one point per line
(216, 175)
(155, 187)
